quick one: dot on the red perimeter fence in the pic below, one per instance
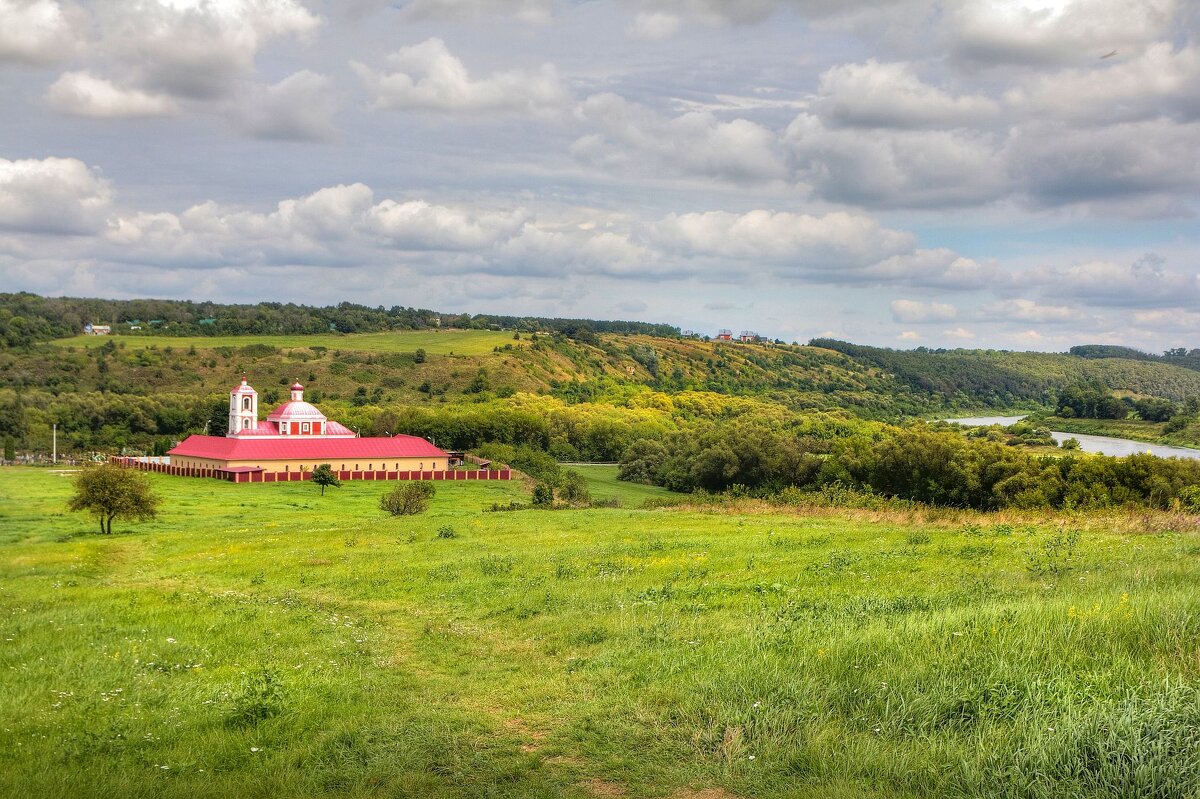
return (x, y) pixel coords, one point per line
(243, 475)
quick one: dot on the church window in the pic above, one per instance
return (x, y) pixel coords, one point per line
(245, 424)
(245, 403)
(305, 427)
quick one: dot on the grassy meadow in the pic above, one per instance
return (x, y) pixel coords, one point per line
(263, 640)
(435, 342)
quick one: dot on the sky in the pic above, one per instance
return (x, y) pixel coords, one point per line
(1015, 174)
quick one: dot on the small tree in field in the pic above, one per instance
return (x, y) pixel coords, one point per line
(324, 476)
(111, 492)
(407, 499)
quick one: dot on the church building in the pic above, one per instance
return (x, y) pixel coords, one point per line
(295, 438)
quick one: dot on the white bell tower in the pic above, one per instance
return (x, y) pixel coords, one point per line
(243, 409)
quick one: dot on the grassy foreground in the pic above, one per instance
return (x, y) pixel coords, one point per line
(266, 641)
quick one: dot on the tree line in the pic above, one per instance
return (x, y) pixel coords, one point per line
(27, 318)
(937, 468)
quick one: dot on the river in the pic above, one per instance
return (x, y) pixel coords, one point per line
(1104, 445)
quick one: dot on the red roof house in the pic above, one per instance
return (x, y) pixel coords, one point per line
(296, 437)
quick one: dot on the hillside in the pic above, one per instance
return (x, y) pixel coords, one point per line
(997, 378)
(129, 390)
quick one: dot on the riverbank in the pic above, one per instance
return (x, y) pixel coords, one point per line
(1112, 445)
(1132, 429)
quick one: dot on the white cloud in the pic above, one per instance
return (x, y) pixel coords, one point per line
(892, 96)
(1023, 310)
(84, 94)
(419, 225)
(1030, 32)
(196, 48)
(631, 136)
(1057, 164)
(913, 311)
(534, 11)
(889, 168)
(299, 107)
(653, 26)
(909, 335)
(429, 77)
(1175, 319)
(810, 243)
(959, 333)
(52, 195)
(937, 268)
(37, 31)
(1146, 283)
(1160, 81)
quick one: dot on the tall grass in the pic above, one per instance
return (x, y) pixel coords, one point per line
(265, 640)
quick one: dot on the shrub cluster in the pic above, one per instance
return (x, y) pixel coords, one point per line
(408, 499)
(937, 468)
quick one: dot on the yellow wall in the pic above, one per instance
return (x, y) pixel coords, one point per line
(308, 464)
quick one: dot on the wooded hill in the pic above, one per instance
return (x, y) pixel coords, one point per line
(142, 388)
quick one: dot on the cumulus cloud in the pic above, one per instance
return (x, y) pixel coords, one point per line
(959, 333)
(890, 168)
(196, 49)
(300, 107)
(37, 31)
(84, 94)
(427, 76)
(1024, 310)
(1161, 81)
(913, 311)
(892, 96)
(536, 11)
(1146, 283)
(653, 26)
(52, 195)
(810, 243)
(419, 225)
(1025, 32)
(631, 136)
(940, 268)
(1057, 164)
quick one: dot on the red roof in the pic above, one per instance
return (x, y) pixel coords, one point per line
(238, 449)
(296, 409)
(260, 429)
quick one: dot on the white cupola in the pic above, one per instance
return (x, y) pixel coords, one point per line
(243, 409)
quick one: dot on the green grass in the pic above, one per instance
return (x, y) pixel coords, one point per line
(603, 483)
(440, 342)
(267, 641)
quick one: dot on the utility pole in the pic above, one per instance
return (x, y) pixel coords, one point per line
(54, 452)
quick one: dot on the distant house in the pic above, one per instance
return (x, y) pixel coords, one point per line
(748, 336)
(724, 335)
(97, 330)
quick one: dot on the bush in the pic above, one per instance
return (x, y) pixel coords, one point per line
(407, 499)
(543, 495)
(446, 531)
(573, 488)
